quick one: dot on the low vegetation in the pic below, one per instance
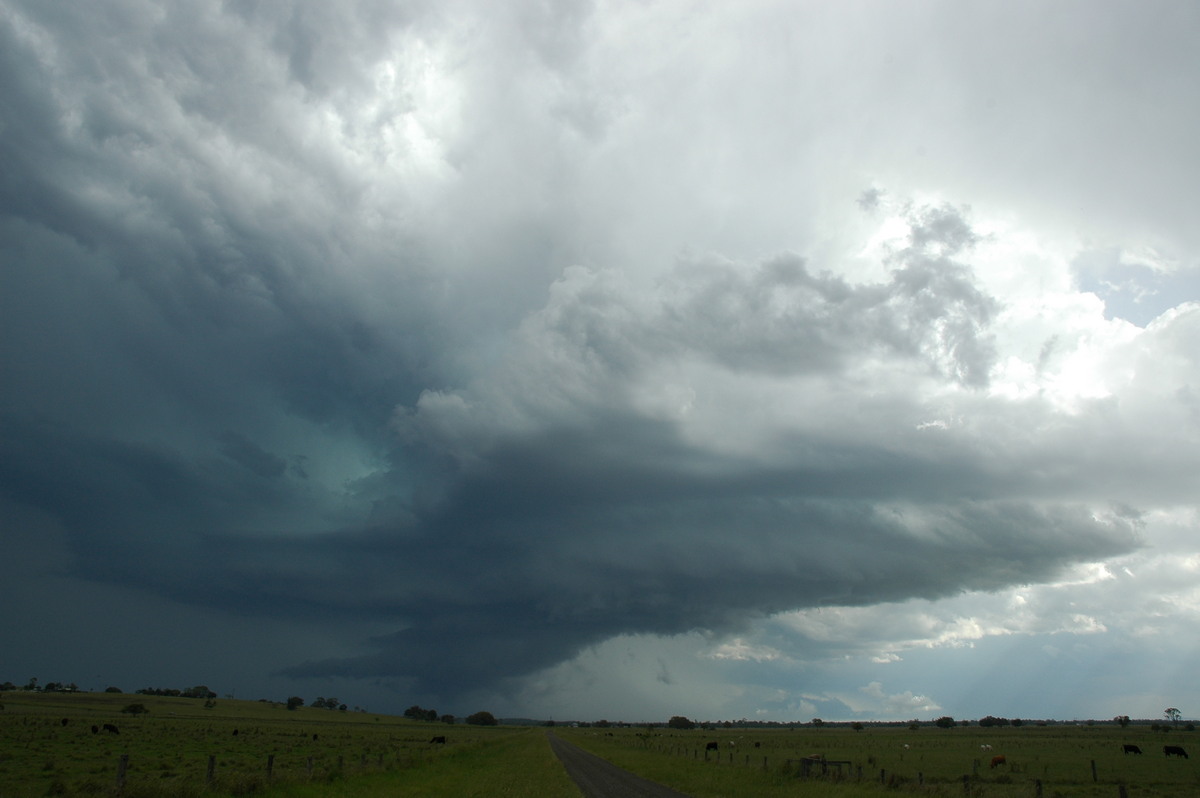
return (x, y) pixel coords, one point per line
(56, 743)
(927, 761)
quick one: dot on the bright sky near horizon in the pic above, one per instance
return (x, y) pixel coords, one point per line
(763, 360)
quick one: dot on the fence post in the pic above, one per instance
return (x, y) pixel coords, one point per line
(1094, 778)
(212, 769)
(1121, 792)
(1037, 788)
(310, 767)
(122, 767)
(966, 784)
(270, 765)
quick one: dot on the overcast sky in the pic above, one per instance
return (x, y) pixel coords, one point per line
(763, 360)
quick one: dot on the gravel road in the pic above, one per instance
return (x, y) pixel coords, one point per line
(598, 778)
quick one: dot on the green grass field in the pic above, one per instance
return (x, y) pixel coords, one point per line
(310, 751)
(934, 762)
(318, 753)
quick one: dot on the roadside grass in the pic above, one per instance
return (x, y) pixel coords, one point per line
(934, 762)
(516, 763)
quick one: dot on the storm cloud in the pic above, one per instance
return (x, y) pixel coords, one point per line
(489, 336)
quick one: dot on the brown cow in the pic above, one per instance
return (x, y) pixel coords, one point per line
(997, 761)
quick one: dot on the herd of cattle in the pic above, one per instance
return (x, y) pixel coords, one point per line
(1168, 750)
(999, 759)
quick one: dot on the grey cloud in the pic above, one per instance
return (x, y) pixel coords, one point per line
(264, 354)
(245, 452)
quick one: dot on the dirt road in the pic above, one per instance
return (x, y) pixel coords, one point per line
(598, 778)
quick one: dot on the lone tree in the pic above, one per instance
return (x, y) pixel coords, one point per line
(944, 722)
(295, 702)
(1172, 714)
(680, 722)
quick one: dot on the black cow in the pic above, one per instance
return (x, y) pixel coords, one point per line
(235, 732)
(713, 746)
(1174, 750)
(440, 740)
(1131, 749)
(95, 729)
(111, 729)
(314, 738)
(65, 721)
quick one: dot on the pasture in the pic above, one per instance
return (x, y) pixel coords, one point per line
(276, 751)
(319, 753)
(890, 760)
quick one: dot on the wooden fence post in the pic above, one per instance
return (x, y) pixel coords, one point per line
(270, 765)
(1037, 788)
(309, 767)
(122, 767)
(212, 769)
(1094, 778)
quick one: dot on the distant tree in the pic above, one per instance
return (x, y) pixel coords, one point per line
(990, 720)
(680, 722)
(415, 713)
(113, 690)
(856, 726)
(447, 718)
(482, 719)
(295, 702)
(52, 687)
(913, 726)
(944, 722)
(342, 707)
(1019, 722)
(431, 715)
(31, 684)
(8, 686)
(1121, 720)
(818, 722)
(199, 691)
(603, 724)
(549, 723)
(135, 709)
(1172, 714)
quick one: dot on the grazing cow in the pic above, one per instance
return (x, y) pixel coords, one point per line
(65, 721)
(713, 746)
(1130, 749)
(314, 738)
(95, 729)
(997, 761)
(440, 740)
(1174, 750)
(235, 732)
(985, 747)
(111, 729)
(758, 745)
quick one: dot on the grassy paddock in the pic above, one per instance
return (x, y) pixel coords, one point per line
(934, 763)
(169, 747)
